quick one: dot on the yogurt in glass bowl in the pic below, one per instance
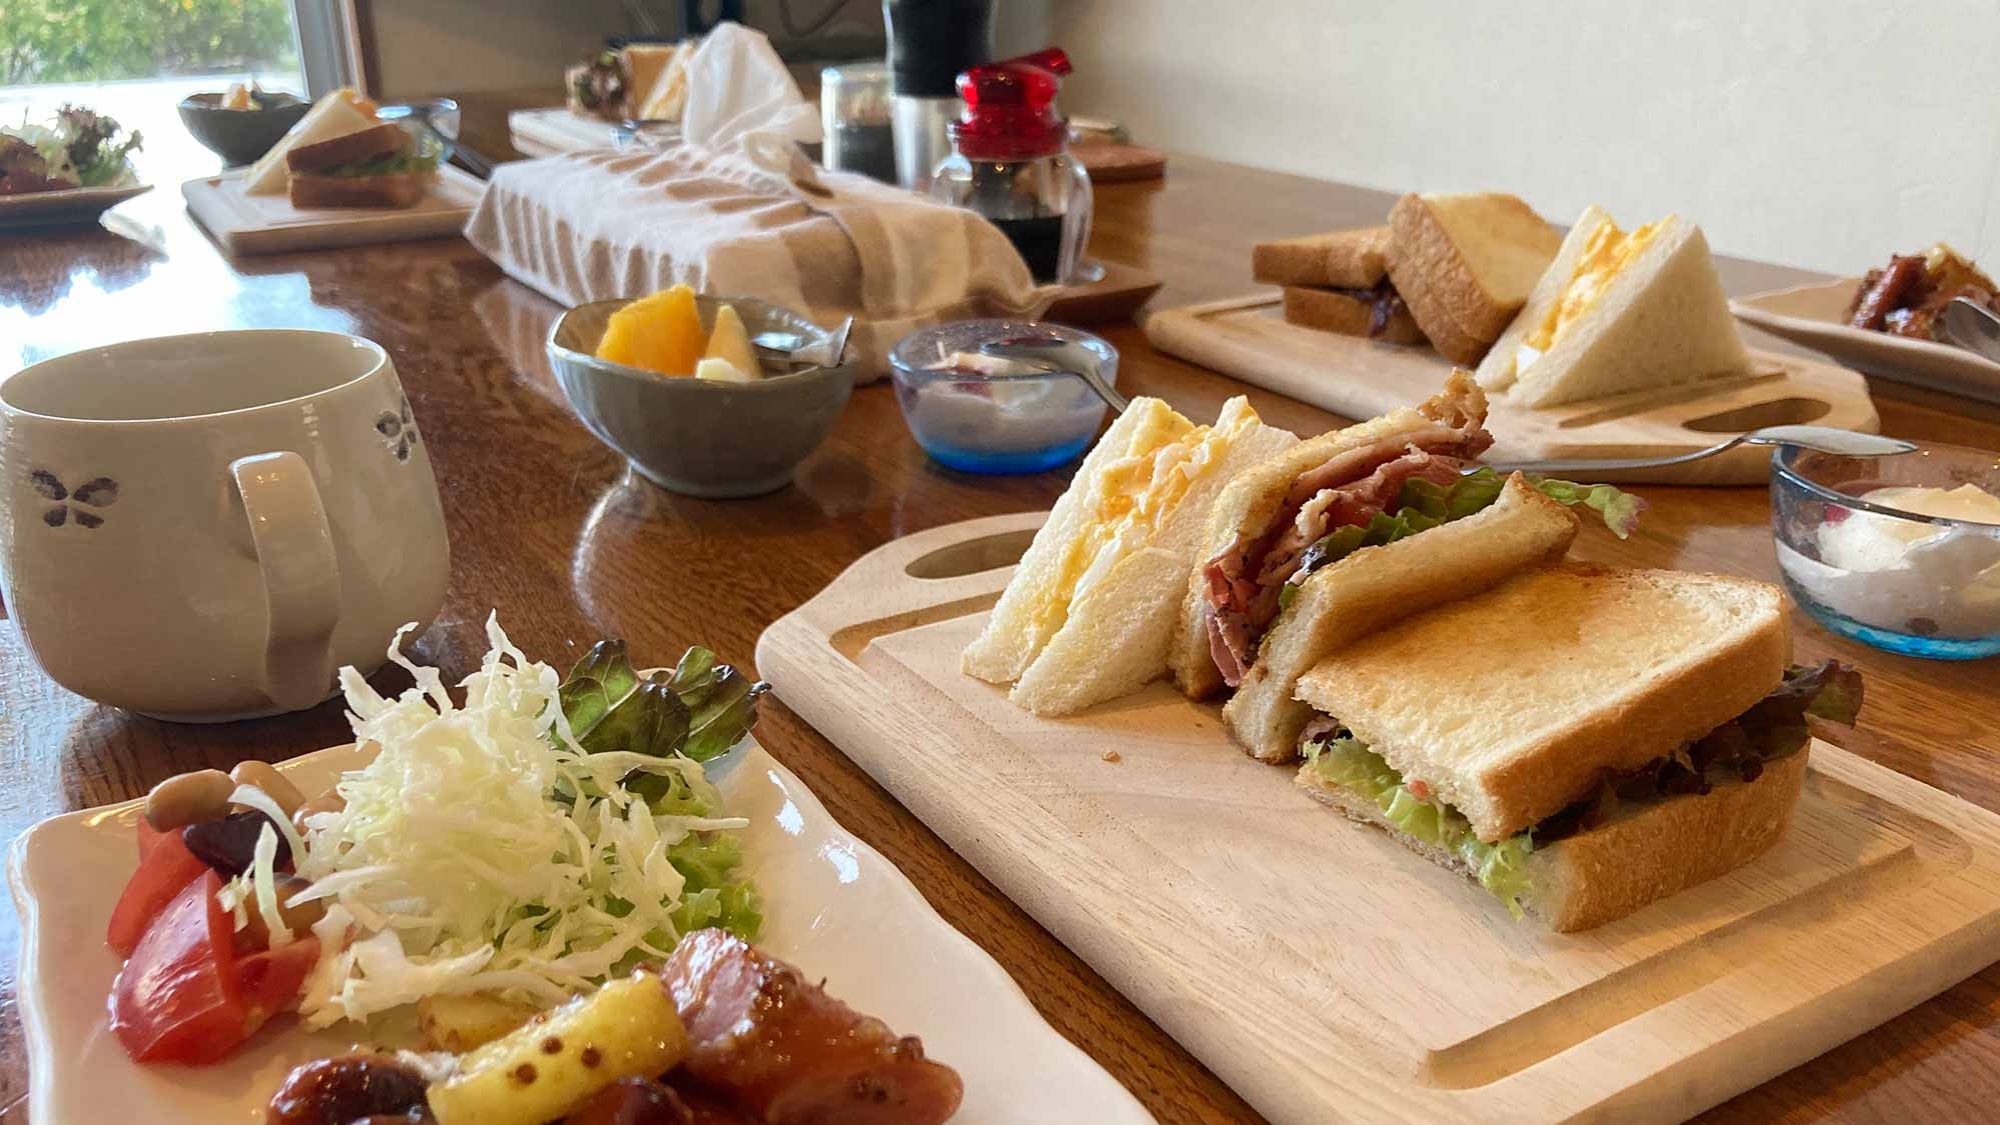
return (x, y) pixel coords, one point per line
(1901, 552)
(984, 414)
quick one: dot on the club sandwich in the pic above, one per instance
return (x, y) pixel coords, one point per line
(1580, 741)
(380, 166)
(1351, 530)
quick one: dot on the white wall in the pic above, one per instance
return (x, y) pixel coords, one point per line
(1817, 133)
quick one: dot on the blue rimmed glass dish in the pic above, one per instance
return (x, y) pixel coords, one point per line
(998, 424)
(1902, 581)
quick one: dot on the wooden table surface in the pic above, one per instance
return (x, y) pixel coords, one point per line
(548, 526)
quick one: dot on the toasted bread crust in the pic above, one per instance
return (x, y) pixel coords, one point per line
(1378, 586)
(1659, 658)
(386, 139)
(1454, 305)
(1614, 869)
(1347, 259)
(395, 189)
(1333, 310)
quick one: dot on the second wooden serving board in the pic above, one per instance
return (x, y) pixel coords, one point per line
(242, 223)
(1316, 966)
(1248, 337)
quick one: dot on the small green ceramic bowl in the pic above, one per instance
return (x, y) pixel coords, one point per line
(696, 436)
(240, 136)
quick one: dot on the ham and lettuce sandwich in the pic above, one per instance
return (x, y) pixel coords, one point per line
(1090, 609)
(1350, 531)
(1580, 741)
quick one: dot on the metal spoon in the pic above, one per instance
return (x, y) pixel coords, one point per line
(1821, 439)
(1974, 327)
(826, 351)
(1054, 355)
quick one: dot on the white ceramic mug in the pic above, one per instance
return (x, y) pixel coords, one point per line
(206, 527)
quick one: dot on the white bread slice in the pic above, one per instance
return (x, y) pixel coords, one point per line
(1465, 264)
(1513, 703)
(1658, 849)
(1662, 320)
(1115, 638)
(1251, 501)
(1378, 586)
(1026, 617)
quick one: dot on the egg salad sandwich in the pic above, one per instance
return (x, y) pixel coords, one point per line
(1464, 264)
(341, 112)
(1351, 530)
(1090, 609)
(1580, 741)
(1618, 311)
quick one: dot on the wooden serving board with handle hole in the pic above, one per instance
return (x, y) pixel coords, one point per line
(1248, 338)
(1315, 965)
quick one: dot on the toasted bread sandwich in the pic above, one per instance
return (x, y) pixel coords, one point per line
(380, 166)
(338, 113)
(1465, 265)
(1376, 313)
(1581, 741)
(1090, 609)
(1618, 311)
(1340, 259)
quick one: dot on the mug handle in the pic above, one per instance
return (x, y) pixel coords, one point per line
(294, 544)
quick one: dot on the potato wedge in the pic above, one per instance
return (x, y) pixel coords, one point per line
(552, 1064)
(460, 1023)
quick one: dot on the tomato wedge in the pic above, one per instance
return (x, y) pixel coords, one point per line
(165, 870)
(177, 999)
(269, 982)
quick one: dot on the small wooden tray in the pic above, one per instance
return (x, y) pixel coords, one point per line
(268, 224)
(1315, 965)
(1247, 337)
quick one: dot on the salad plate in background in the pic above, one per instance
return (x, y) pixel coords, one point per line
(69, 169)
(829, 904)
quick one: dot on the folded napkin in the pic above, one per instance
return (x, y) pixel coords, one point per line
(737, 210)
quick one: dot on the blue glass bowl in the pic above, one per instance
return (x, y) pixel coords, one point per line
(1901, 581)
(996, 424)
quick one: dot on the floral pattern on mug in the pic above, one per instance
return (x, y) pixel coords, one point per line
(66, 505)
(398, 430)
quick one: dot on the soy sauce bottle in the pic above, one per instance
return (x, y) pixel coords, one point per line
(1010, 162)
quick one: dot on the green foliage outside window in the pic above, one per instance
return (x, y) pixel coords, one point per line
(106, 40)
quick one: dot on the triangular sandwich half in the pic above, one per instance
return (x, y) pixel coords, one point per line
(1618, 311)
(1090, 609)
(1579, 740)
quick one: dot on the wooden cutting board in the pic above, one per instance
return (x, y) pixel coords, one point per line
(268, 224)
(1317, 967)
(1247, 337)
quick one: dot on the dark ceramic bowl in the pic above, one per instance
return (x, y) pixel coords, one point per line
(239, 136)
(694, 436)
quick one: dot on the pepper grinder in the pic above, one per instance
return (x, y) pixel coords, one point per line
(1010, 162)
(930, 43)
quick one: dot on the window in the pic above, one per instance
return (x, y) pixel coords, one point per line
(135, 59)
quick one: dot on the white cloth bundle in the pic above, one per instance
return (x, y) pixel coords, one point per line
(745, 214)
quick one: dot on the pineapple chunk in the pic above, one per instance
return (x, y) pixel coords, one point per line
(730, 341)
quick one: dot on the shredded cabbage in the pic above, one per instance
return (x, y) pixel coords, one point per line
(1502, 867)
(485, 850)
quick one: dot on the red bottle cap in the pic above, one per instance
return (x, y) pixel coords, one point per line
(1010, 108)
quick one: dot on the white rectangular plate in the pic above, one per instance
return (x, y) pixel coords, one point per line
(1815, 316)
(833, 906)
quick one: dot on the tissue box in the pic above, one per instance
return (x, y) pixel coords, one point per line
(600, 225)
